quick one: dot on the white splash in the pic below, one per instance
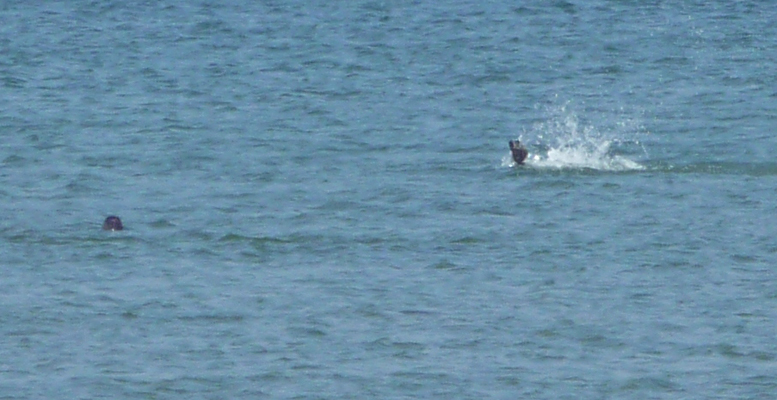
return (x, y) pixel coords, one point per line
(564, 143)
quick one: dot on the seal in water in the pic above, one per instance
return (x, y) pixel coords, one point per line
(519, 152)
(112, 223)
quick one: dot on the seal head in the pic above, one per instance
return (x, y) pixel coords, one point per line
(112, 223)
(519, 152)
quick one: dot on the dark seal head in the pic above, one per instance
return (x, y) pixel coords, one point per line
(519, 152)
(112, 223)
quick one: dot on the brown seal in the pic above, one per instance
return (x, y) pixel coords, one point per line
(112, 223)
(519, 152)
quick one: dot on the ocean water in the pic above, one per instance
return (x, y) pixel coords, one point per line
(319, 201)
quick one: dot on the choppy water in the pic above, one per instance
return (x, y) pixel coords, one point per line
(319, 200)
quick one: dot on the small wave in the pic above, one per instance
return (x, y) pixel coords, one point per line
(754, 169)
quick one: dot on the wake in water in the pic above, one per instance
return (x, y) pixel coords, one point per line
(564, 143)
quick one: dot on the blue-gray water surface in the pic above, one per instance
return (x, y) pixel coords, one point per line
(319, 201)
